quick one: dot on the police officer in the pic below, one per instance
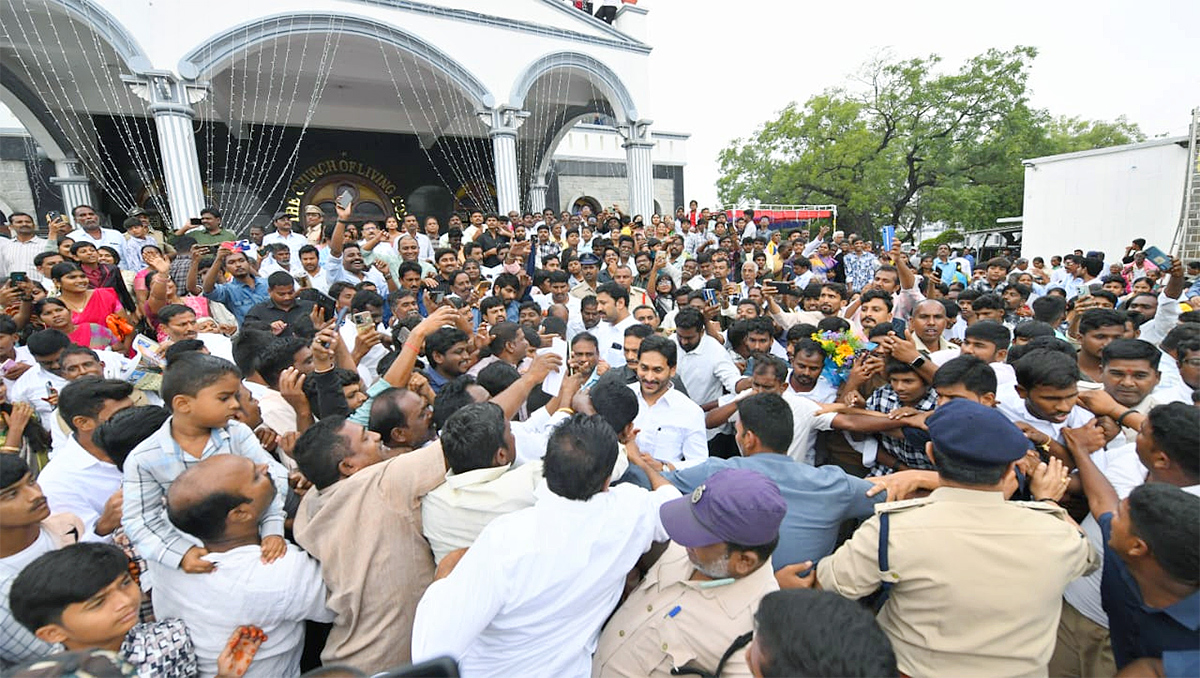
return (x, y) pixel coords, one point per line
(972, 583)
(695, 607)
(589, 268)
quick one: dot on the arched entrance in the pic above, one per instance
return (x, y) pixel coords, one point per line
(371, 201)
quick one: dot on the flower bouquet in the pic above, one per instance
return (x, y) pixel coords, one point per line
(841, 350)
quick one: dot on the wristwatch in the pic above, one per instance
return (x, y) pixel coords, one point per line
(916, 364)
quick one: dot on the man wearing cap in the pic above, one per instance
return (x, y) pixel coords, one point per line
(819, 498)
(974, 583)
(589, 268)
(284, 234)
(699, 598)
(314, 224)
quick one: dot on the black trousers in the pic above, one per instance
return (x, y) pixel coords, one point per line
(606, 14)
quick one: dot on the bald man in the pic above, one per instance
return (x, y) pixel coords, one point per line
(220, 502)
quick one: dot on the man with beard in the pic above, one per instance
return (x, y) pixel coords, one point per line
(726, 531)
(671, 425)
(1129, 372)
(627, 373)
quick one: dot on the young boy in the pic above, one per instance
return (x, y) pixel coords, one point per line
(1044, 400)
(989, 341)
(27, 530)
(905, 389)
(202, 393)
(83, 597)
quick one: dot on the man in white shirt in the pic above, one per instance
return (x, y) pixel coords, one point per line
(219, 501)
(705, 367)
(612, 301)
(529, 597)
(81, 478)
(482, 483)
(671, 425)
(89, 229)
(284, 234)
(1045, 402)
(18, 254)
(40, 385)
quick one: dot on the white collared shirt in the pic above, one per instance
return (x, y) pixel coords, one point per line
(77, 482)
(672, 430)
(108, 236)
(33, 387)
(806, 422)
(453, 515)
(1013, 406)
(521, 604)
(706, 371)
(822, 391)
(242, 590)
(612, 339)
(293, 240)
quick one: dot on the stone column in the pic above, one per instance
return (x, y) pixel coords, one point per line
(73, 183)
(639, 167)
(503, 123)
(537, 197)
(171, 102)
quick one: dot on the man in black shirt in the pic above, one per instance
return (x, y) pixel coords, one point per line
(283, 306)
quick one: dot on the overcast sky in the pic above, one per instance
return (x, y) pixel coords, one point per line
(721, 68)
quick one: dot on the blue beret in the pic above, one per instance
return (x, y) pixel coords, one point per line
(973, 432)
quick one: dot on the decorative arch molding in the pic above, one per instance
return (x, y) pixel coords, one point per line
(605, 79)
(553, 137)
(34, 115)
(95, 17)
(220, 48)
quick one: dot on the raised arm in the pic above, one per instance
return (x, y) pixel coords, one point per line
(339, 230)
(511, 398)
(210, 278)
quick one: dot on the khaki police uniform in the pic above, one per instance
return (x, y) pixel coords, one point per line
(582, 290)
(644, 638)
(977, 580)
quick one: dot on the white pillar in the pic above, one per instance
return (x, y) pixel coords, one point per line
(639, 167)
(171, 103)
(73, 183)
(537, 197)
(503, 123)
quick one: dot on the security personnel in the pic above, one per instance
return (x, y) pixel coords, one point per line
(973, 583)
(695, 607)
(589, 266)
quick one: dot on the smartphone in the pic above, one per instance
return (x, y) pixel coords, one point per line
(1084, 291)
(195, 221)
(363, 322)
(456, 302)
(436, 296)
(53, 215)
(17, 277)
(8, 364)
(710, 296)
(1159, 258)
(779, 286)
(483, 287)
(344, 200)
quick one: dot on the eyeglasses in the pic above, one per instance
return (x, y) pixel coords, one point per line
(1191, 362)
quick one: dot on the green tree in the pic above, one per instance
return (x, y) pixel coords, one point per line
(909, 144)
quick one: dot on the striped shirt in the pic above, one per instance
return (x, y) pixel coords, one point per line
(155, 463)
(18, 256)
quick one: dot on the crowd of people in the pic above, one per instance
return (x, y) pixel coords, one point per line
(572, 444)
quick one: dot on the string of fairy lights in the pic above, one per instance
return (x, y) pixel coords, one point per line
(261, 103)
